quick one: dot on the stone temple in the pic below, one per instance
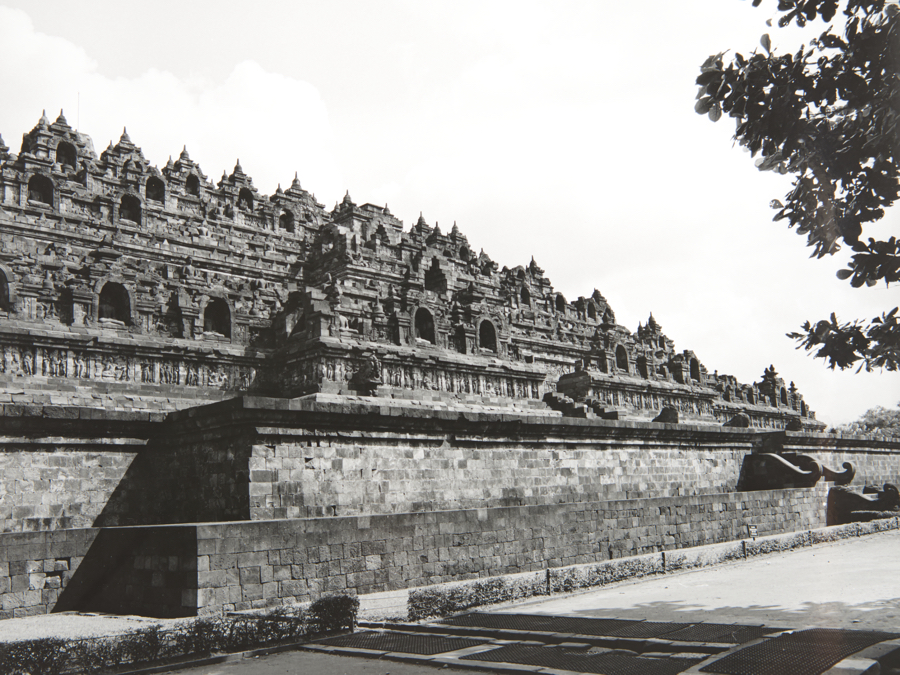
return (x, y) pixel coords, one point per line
(126, 287)
(301, 400)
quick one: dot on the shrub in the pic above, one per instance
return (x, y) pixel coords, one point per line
(334, 612)
(442, 601)
(46, 656)
(191, 638)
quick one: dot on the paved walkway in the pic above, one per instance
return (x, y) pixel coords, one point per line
(851, 584)
(313, 663)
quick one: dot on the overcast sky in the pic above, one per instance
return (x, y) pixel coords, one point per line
(562, 130)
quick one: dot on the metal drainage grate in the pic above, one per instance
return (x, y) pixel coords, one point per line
(719, 632)
(648, 629)
(406, 643)
(808, 652)
(537, 622)
(610, 663)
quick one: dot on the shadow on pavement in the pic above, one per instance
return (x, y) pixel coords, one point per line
(878, 615)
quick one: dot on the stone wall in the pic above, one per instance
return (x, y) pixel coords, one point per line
(59, 466)
(257, 458)
(204, 568)
(57, 489)
(267, 563)
(149, 571)
(36, 566)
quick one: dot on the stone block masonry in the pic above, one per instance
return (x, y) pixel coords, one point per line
(268, 563)
(422, 497)
(180, 570)
(35, 567)
(260, 458)
(59, 466)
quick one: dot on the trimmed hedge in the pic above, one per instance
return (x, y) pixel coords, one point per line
(198, 637)
(444, 600)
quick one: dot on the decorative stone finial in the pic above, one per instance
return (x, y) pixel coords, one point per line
(61, 120)
(421, 221)
(184, 156)
(170, 164)
(347, 201)
(125, 138)
(295, 184)
(43, 122)
(237, 168)
(387, 211)
(279, 191)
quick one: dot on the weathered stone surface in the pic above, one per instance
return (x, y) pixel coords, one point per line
(667, 416)
(739, 421)
(129, 287)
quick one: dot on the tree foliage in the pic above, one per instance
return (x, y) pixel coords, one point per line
(879, 421)
(828, 115)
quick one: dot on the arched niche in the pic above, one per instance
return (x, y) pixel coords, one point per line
(156, 189)
(592, 311)
(487, 336)
(424, 325)
(217, 317)
(642, 367)
(525, 297)
(459, 340)
(5, 295)
(192, 185)
(695, 370)
(114, 303)
(66, 155)
(783, 395)
(245, 199)
(173, 318)
(286, 221)
(560, 303)
(464, 254)
(130, 208)
(435, 280)
(40, 189)
(621, 358)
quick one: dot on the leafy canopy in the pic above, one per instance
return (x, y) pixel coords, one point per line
(878, 421)
(828, 115)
